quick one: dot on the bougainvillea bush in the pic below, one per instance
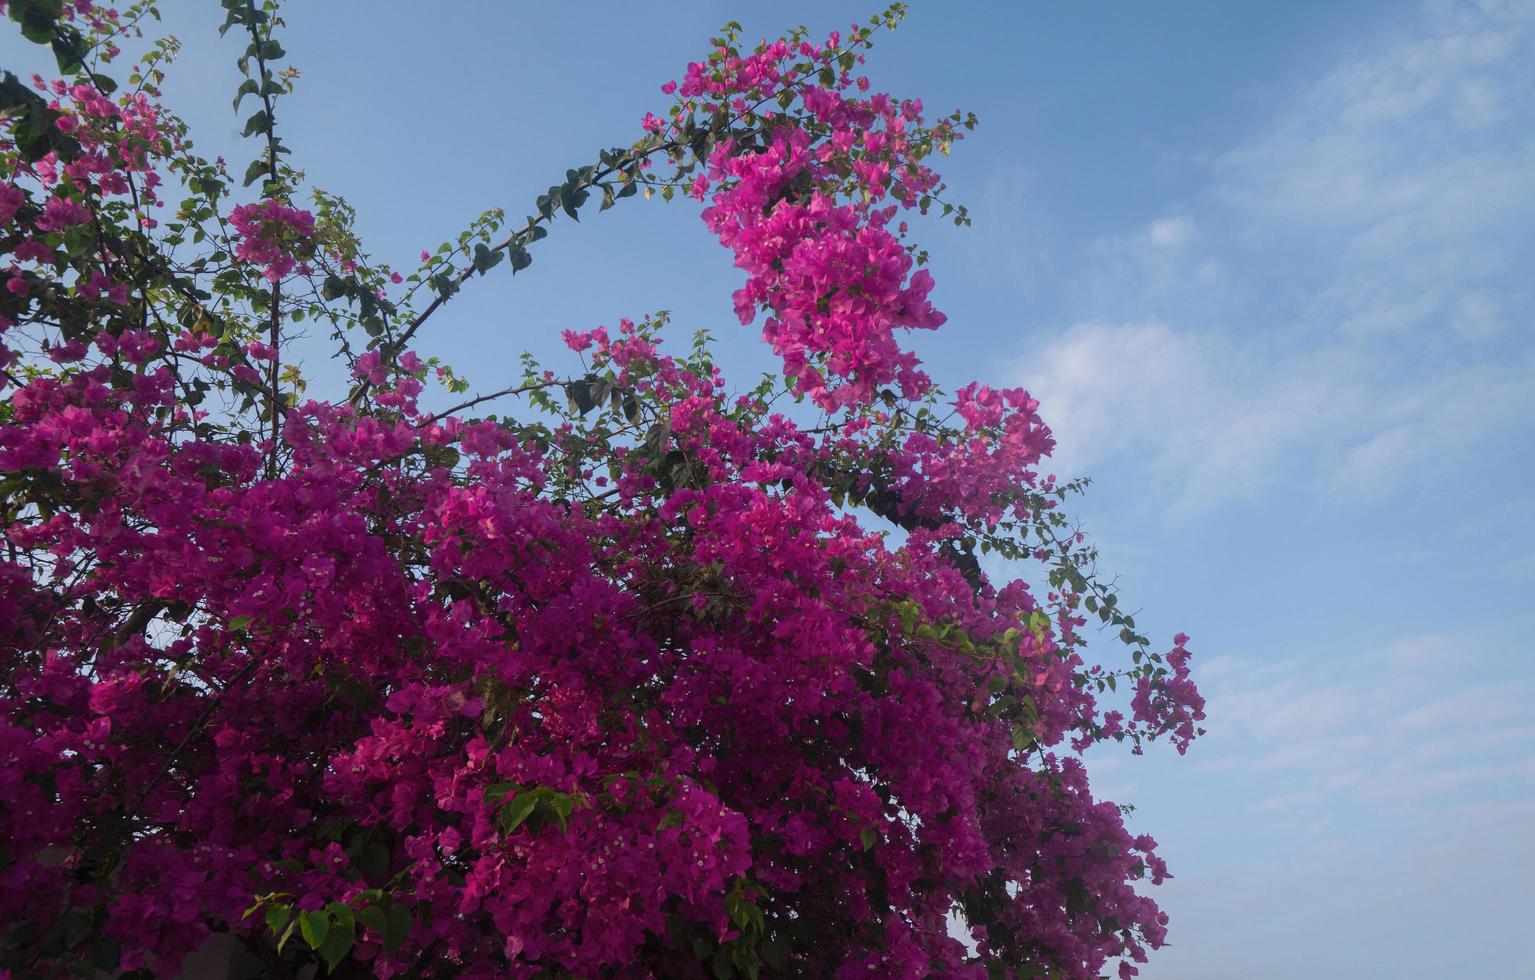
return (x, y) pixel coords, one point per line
(614, 670)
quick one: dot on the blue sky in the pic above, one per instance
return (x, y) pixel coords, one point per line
(1267, 269)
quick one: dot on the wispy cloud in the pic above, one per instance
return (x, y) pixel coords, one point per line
(1392, 730)
(1347, 305)
(1357, 793)
(1201, 418)
(1412, 170)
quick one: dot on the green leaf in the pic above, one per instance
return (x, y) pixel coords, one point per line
(260, 122)
(571, 198)
(1023, 738)
(105, 954)
(239, 622)
(69, 50)
(776, 953)
(485, 259)
(400, 919)
(440, 457)
(338, 942)
(38, 20)
(277, 917)
(256, 170)
(74, 927)
(247, 87)
(375, 918)
(514, 813)
(869, 836)
(496, 792)
(314, 927)
(520, 257)
(336, 945)
(581, 393)
(563, 804)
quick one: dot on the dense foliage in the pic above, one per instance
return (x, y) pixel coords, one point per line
(644, 677)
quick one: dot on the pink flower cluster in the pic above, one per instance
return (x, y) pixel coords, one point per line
(1171, 703)
(271, 235)
(118, 142)
(802, 212)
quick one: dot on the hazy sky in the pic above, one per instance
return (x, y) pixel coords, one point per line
(1267, 267)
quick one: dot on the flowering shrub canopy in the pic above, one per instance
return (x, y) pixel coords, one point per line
(643, 678)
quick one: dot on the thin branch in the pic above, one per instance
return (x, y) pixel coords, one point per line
(514, 390)
(274, 332)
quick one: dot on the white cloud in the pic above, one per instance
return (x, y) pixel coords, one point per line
(1355, 307)
(1393, 730)
(1171, 232)
(1411, 168)
(1163, 270)
(1426, 424)
(1200, 419)
(1478, 315)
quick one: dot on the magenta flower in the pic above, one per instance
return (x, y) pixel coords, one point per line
(11, 200)
(271, 234)
(60, 213)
